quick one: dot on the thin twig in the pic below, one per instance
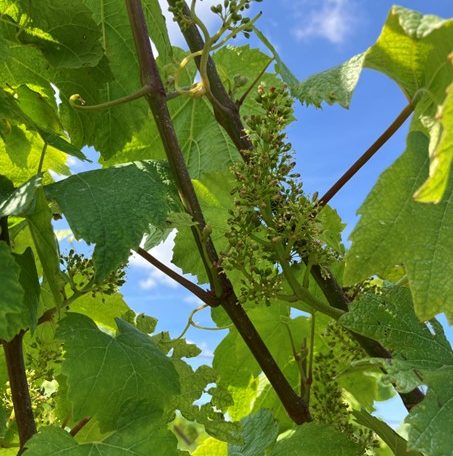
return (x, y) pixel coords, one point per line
(396, 124)
(207, 298)
(253, 84)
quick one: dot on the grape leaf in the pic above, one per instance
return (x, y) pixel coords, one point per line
(22, 200)
(28, 278)
(389, 318)
(415, 51)
(211, 447)
(193, 384)
(389, 215)
(65, 32)
(137, 432)
(441, 155)
(259, 432)
(20, 152)
(248, 63)
(45, 242)
(115, 220)
(102, 309)
(13, 316)
(314, 439)
(109, 130)
(213, 192)
(23, 64)
(104, 373)
(431, 421)
(394, 441)
(233, 360)
(332, 86)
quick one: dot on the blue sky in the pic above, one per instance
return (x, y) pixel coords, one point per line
(310, 35)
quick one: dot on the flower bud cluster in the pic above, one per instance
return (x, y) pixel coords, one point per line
(80, 273)
(179, 15)
(270, 211)
(327, 403)
(230, 13)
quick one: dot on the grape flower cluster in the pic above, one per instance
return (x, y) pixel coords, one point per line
(80, 273)
(271, 216)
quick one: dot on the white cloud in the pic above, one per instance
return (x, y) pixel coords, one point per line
(333, 20)
(154, 277)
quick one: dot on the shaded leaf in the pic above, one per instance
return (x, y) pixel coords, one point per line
(389, 215)
(431, 421)
(104, 373)
(314, 439)
(13, 315)
(259, 432)
(39, 222)
(138, 432)
(114, 207)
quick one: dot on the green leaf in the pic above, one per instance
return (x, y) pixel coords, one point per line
(41, 111)
(332, 86)
(129, 198)
(20, 153)
(441, 156)
(22, 200)
(102, 309)
(314, 439)
(13, 315)
(414, 50)
(286, 74)
(193, 384)
(138, 432)
(206, 146)
(393, 440)
(211, 447)
(213, 192)
(246, 62)
(259, 432)
(117, 75)
(389, 215)
(65, 32)
(416, 348)
(39, 222)
(28, 278)
(389, 318)
(158, 30)
(104, 373)
(23, 64)
(431, 421)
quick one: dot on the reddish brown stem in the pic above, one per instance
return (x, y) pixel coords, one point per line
(14, 357)
(20, 393)
(391, 130)
(157, 100)
(207, 298)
